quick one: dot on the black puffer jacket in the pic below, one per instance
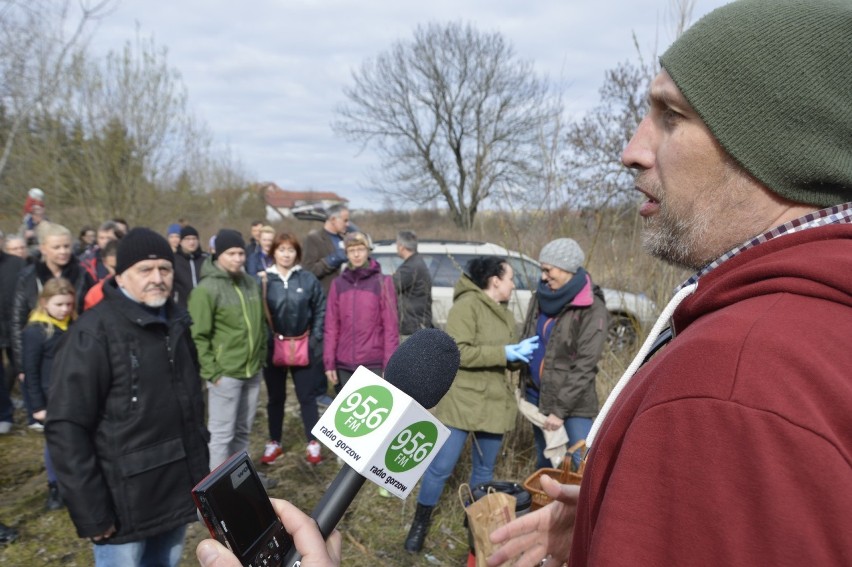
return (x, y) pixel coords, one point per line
(296, 303)
(29, 285)
(187, 274)
(37, 361)
(125, 420)
(10, 270)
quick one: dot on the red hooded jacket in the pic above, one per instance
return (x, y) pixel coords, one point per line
(733, 445)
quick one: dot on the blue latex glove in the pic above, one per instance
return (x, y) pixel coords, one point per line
(528, 346)
(513, 354)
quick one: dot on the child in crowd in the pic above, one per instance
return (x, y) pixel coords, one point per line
(35, 198)
(48, 321)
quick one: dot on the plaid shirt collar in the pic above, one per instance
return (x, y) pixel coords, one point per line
(838, 214)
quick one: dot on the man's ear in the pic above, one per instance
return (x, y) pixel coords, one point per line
(118, 279)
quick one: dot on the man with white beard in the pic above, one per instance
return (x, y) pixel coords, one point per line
(125, 418)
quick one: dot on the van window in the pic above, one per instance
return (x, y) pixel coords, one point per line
(388, 262)
(447, 269)
(527, 273)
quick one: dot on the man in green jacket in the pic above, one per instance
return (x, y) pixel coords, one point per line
(230, 334)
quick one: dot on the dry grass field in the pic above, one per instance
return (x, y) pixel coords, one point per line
(374, 527)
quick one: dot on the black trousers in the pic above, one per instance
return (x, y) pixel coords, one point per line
(304, 380)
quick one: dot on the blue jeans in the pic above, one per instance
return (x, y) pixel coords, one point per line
(48, 466)
(486, 447)
(161, 550)
(576, 427)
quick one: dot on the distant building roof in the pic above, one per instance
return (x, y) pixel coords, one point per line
(283, 199)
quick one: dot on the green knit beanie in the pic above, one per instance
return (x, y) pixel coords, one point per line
(772, 79)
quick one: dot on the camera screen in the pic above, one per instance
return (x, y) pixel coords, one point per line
(241, 497)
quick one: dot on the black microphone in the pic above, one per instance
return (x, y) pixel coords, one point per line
(423, 367)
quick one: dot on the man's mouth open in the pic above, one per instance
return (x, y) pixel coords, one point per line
(649, 207)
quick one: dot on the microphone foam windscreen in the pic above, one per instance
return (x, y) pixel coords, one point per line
(424, 366)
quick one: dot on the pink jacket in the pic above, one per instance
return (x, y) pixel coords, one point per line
(361, 324)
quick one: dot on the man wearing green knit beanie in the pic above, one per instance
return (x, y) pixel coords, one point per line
(727, 441)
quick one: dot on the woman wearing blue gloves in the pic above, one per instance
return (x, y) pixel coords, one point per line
(481, 400)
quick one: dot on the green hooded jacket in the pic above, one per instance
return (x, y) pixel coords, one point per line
(228, 324)
(482, 396)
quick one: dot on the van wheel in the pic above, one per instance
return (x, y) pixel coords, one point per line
(623, 332)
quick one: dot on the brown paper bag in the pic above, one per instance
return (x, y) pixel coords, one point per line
(493, 510)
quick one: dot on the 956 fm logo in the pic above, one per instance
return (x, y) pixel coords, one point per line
(411, 446)
(363, 411)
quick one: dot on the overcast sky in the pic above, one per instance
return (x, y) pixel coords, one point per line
(267, 75)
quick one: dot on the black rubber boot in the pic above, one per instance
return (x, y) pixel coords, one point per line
(419, 528)
(7, 534)
(54, 500)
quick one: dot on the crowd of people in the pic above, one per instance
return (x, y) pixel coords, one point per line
(726, 441)
(125, 340)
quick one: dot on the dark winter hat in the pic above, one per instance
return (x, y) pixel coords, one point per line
(188, 231)
(142, 244)
(226, 239)
(772, 79)
(563, 253)
(174, 228)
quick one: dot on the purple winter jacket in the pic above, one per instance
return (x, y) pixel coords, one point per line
(361, 324)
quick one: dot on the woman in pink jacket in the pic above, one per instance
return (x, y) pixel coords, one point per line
(361, 325)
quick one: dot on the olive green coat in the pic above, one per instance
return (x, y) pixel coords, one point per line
(482, 397)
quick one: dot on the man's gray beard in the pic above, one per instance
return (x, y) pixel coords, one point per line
(156, 303)
(675, 240)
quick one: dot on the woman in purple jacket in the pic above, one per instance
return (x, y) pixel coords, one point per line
(361, 325)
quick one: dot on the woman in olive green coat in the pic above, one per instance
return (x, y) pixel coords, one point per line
(481, 400)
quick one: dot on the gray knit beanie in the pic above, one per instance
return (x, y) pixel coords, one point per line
(563, 253)
(772, 79)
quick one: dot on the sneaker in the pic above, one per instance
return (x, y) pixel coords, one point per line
(324, 401)
(5, 426)
(313, 454)
(36, 426)
(7, 534)
(383, 492)
(271, 452)
(54, 500)
(268, 483)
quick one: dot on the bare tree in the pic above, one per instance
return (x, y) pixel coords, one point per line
(134, 106)
(453, 114)
(680, 15)
(37, 39)
(594, 143)
(596, 176)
